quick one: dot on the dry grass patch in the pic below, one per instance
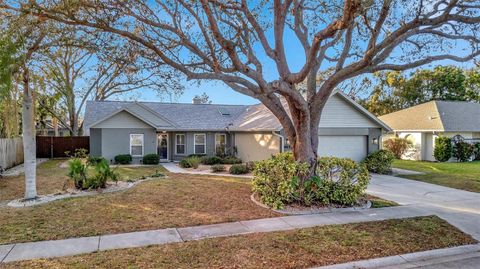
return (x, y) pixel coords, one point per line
(292, 249)
(52, 178)
(180, 200)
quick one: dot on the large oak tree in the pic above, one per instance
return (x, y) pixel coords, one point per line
(238, 42)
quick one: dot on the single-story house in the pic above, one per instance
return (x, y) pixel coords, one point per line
(423, 123)
(252, 132)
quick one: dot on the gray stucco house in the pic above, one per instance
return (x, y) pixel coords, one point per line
(175, 131)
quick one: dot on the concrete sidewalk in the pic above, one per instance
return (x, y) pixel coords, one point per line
(74, 246)
(174, 168)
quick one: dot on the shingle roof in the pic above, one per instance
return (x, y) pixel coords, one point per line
(444, 116)
(199, 117)
(183, 116)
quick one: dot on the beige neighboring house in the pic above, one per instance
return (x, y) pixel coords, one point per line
(423, 123)
(252, 132)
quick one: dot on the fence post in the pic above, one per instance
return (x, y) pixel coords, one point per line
(51, 147)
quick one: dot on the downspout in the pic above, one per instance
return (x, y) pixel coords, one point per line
(281, 140)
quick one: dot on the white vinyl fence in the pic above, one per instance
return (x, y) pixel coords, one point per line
(11, 152)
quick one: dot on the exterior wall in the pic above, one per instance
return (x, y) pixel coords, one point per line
(464, 134)
(189, 143)
(256, 146)
(122, 119)
(374, 134)
(116, 141)
(96, 142)
(338, 113)
(428, 147)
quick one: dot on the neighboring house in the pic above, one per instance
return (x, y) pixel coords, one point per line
(52, 127)
(175, 131)
(421, 124)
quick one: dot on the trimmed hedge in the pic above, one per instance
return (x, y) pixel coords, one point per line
(123, 159)
(443, 149)
(151, 159)
(463, 151)
(211, 160)
(273, 179)
(238, 169)
(380, 161)
(231, 160)
(339, 181)
(190, 162)
(278, 181)
(217, 168)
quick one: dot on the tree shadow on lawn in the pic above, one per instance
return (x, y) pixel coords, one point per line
(177, 201)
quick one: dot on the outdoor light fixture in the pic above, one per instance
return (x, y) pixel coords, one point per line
(375, 141)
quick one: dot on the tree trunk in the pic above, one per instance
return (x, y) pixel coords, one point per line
(29, 144)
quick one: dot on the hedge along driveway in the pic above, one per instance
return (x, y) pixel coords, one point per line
(178, 201)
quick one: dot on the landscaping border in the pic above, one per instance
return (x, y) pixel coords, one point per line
(324, 210)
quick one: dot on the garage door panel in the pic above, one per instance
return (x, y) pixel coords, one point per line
(353, 147)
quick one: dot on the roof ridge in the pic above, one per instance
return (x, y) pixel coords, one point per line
(408, 108)
(439, 114)
(167, 103)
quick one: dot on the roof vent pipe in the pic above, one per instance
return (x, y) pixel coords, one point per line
(196, 100)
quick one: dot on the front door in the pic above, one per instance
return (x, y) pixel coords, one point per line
(162, 149)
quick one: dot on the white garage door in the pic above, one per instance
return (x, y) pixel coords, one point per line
(353, 147)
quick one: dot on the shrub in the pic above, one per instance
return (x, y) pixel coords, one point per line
(250, 166)
(217, 168)
(476, 150)
(339, 181)
(238, 169)
(379, 161)
(211, 160)
(443, 149)
(151, 159)
(196, 155)
(94, 160)
(231, 160)
(123, 159)
(398, 146)
(273, 179)
(463, 151)
(190, 162)
(77, 171)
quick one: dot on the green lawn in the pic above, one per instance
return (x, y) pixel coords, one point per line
(464, 176)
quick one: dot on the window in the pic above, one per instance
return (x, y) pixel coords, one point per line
(136, 144)
(199, 146)
(180, 144)
(220, 144)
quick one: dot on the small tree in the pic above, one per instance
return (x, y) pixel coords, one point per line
(398, 146)
(443, 149)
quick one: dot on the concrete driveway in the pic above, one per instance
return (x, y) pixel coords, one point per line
(460, 208)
